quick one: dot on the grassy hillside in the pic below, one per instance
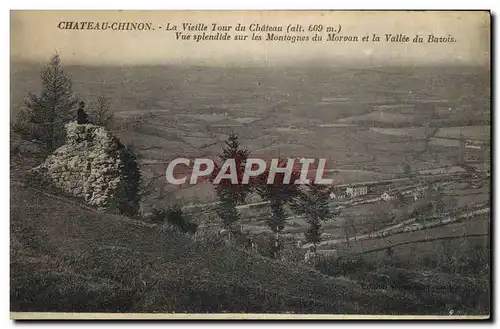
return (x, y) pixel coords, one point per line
(67, 258)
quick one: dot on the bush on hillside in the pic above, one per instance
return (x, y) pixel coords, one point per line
(174, 216)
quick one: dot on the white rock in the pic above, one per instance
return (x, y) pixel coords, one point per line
(88, 166)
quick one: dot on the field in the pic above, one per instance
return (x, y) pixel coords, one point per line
(481, 133)
(415, 133)
(472, 227)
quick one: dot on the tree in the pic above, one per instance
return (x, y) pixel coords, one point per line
(232, 150)
(313, 233)
(437, 197)
(227, 212)
(231, 194)
(43, 117)
(407, 169)
(279, 193)
(400, 199)
(101, 112)
(174, 216)
(402, 203)
(127, 201)
(461, 150)
(313, 206)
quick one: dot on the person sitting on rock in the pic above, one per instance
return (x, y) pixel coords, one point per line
(81, 116)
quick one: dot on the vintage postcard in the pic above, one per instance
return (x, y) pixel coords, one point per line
(250, 164)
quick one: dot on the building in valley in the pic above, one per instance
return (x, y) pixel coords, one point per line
(356, 191)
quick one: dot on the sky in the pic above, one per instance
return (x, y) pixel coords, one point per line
(35, 36)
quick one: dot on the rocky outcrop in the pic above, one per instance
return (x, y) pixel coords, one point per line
(93, 165)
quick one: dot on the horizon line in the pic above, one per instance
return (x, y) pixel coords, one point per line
(340, 64)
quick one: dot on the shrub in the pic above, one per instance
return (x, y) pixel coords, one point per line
(175, 217)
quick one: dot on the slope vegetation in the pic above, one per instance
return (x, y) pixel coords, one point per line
(70, 258)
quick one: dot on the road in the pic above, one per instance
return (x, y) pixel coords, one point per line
(350, 202)
(383, 232)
